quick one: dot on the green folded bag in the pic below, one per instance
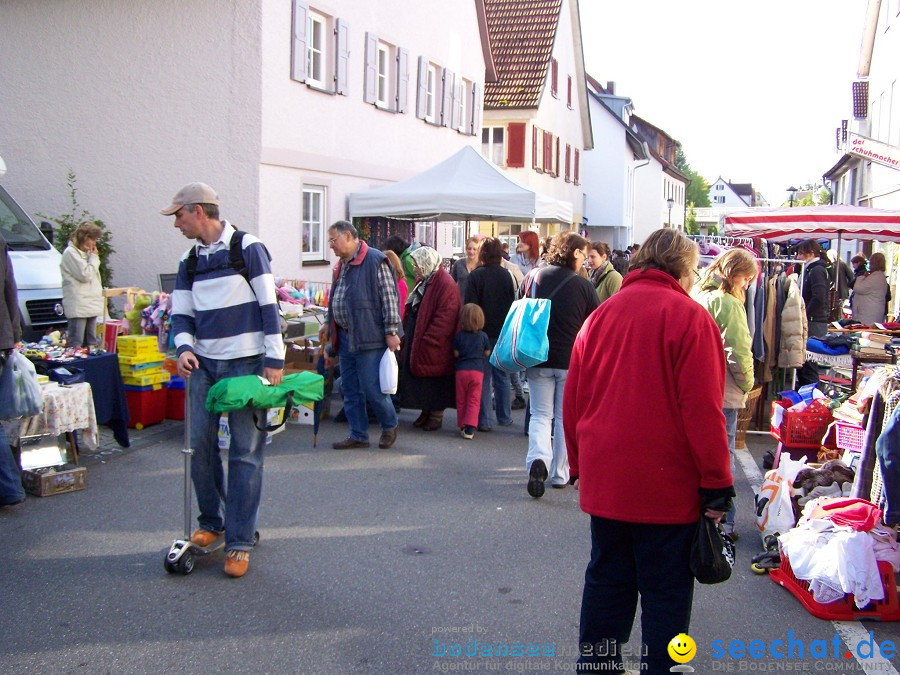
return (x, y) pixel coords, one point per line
(249, 391)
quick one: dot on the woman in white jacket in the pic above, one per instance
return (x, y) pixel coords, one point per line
(870, 293)
(82, 290)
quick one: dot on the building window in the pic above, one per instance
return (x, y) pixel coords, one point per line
(383, 74)
(458, 236)
(312, 224)
(430, 93)
(569, 93)
(554, 78)
(315, 50)
(425, 234)
(493, 144)
(508, 233)
(461, 99)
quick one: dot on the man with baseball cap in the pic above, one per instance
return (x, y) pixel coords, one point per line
(226, 324)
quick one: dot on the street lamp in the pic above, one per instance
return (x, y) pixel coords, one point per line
(671, 203)
(791, 192)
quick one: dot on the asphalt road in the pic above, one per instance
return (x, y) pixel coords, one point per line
(370, 561)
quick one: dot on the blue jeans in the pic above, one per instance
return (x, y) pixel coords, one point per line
(234, 510)
(498, 381)
(359, 383)
(11, 489)
(731, 416)
(545, 391)
(887, 449)
(627, 560)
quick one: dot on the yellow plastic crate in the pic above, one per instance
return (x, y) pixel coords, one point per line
(135, 345)
(143, 357)
(145, 380)
(142, 369)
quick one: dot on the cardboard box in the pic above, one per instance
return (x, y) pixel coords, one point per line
(47, 482)
(300, 354)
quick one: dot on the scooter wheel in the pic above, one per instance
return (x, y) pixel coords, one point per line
(255, 538)
(186, 563)
(138, 426)
(756, 568)
(170, 568)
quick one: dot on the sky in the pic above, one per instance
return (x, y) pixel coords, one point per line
(753, 90)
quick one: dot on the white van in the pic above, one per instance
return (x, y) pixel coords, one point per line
(36, 267)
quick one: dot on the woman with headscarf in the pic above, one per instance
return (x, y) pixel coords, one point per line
(430, 323)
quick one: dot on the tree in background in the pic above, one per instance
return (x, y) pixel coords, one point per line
(67, 222)
(698, 189)
(690, 221)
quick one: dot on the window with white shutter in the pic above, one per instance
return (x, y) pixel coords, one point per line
(312, 223)
(383, 75)
(475, 109)
(402, 97)
(446, 97)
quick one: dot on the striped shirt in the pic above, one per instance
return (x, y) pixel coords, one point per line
(221, 316)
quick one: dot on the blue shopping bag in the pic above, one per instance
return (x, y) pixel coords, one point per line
(523, 339)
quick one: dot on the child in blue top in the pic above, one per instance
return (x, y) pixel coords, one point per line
(471, 347)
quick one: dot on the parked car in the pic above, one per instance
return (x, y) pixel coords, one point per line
(36, 266)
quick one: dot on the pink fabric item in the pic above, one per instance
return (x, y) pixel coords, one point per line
(859, 514)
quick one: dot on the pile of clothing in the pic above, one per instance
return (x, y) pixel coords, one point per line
(836, 547)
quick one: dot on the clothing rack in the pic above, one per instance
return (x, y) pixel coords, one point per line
(729, 242)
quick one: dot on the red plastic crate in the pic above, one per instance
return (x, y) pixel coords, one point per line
(175, 404)
(146, 407)
(802, 429)
(843, 609)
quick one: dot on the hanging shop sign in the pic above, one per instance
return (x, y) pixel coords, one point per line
(881, 153)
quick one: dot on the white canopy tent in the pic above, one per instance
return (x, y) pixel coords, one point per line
(466, 186)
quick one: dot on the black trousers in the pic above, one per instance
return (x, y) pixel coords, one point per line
(630, 560)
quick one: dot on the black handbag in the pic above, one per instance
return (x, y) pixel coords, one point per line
(712, 553)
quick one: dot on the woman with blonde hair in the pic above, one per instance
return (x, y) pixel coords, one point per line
(81, 286)
(722, 291)
(870, 293)
(463, 267)
(650, 455)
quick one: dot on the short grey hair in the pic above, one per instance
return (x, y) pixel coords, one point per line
(211, 210)
(342, 226)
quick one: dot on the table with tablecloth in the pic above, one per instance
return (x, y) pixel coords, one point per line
(102, 373)
(66, 409)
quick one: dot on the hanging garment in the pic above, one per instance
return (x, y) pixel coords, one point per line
(794, 328)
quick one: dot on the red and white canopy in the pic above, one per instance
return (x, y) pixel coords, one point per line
(847, 222)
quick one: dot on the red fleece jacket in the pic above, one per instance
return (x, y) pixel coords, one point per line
(642, 409)
(437, 323)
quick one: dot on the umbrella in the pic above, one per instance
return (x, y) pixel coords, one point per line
(833, 221)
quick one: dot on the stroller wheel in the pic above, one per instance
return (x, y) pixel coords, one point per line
(756, 568)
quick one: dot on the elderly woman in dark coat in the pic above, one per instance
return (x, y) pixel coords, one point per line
(429, 324)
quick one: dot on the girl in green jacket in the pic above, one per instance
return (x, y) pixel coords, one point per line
(722, 290)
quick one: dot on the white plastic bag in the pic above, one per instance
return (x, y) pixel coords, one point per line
(774, 509)
(388, 373)
(20, 393)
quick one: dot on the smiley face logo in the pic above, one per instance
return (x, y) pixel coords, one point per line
(682, 648)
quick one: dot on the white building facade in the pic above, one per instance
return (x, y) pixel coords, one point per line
(284, 107)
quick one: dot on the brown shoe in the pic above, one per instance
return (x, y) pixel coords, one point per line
(348, 443)
(421, 419)
(204, 538)
(236, 563)
(387, 438)
(435, 420)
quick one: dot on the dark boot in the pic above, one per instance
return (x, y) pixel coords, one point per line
(435, 420)
(421, 419)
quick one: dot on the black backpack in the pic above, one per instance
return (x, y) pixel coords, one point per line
(235, 259)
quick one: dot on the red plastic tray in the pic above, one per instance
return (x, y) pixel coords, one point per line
(843, 609)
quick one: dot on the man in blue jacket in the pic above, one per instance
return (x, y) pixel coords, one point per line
(225, 321)
(363, 320)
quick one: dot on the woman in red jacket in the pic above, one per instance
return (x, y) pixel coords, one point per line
(649, 455)
(430, 322)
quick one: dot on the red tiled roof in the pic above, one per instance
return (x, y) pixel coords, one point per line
(521, 35)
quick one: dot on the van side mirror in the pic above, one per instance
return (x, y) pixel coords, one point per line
(47, 230)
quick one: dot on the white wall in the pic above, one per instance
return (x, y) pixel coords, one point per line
(648, 212)
(882, 183)
(731, 198)
(138, 98)
(606, 170)
(341, 142)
